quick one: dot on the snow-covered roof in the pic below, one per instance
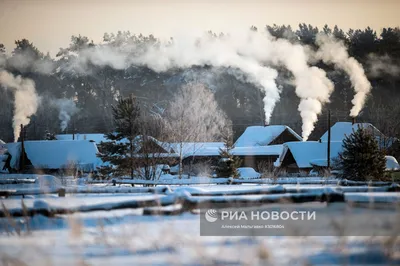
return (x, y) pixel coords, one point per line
(340, 129)
(56, 154)
(239, 151)
(97, 138)
(392, 164)
(258, 150)
(307, 153)
(262, 136)
(248, 173)
(190, 148)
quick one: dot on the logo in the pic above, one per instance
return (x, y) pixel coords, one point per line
(211, 215)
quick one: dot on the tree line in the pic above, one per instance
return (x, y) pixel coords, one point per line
(97, 88)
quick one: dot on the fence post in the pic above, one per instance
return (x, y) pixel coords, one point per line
(61, 192)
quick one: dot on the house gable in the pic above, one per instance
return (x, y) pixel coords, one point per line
(285, 136)
(288, 162)
(150, 146)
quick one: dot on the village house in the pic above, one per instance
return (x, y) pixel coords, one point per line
(51, 155)
(148, 150)
(304, 156)
(275, 145)
(256, 146)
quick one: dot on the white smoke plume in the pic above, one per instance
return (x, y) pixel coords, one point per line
(26, 99)
(25, 62)
(67, 108)
(312, 85)
(216, 52)
(335, 52)
(379, 66)
(185, 52)
(251, 52)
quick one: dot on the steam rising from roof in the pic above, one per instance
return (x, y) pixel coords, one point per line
(26, 99)
(335, 52)
(67, 109)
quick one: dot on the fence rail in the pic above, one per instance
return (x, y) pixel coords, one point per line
(228, 181)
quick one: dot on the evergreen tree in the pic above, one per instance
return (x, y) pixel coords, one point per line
(120, 150)
(228, 164)
(361, 158)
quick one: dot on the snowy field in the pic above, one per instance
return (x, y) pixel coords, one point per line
(128, 236)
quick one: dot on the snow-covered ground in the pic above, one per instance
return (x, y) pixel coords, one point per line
(127, 237)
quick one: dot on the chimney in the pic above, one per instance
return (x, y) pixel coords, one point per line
(22, 156)
(265, 123)
(353, 120)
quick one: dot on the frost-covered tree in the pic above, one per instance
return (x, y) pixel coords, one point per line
(194, 116)
(361, 158)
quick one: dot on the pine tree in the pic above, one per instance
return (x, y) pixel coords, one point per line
(119, 151)
(361, 158)
(228, 164)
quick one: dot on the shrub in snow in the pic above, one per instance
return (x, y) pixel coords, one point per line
(267, 169)
(361, 158)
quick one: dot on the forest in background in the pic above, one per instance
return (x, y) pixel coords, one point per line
(97, 88)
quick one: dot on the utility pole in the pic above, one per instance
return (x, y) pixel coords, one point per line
(22, 135)
(329, 140)
(73, 129)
